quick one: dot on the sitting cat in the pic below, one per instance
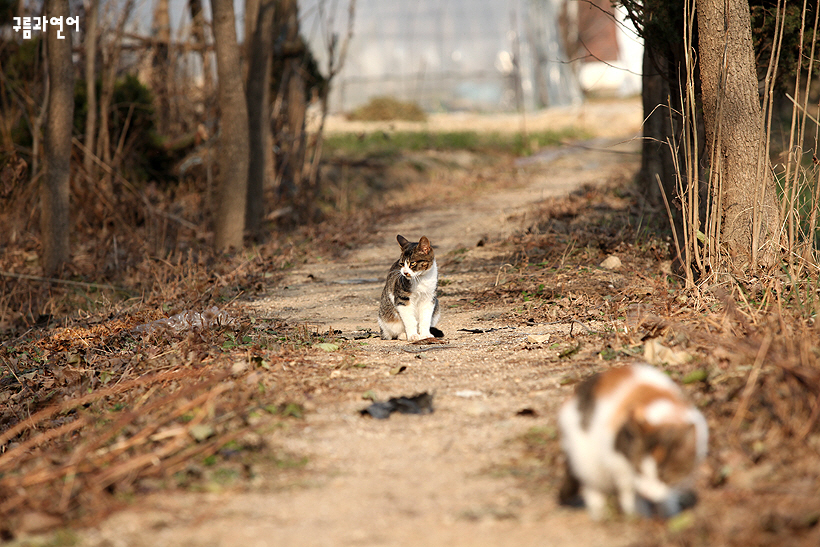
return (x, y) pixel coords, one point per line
(409, 304)
(629, 431)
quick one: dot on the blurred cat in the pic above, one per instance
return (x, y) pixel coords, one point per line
(628, 431)
(409, 305)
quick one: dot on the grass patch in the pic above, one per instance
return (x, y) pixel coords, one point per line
(388, 108)
(383, 144)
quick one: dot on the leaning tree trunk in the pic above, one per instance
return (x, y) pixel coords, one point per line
(749, 217)
(54, 194)
(232, 153)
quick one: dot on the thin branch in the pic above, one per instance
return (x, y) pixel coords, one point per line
(63, 281)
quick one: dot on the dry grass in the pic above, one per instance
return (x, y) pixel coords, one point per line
(793, 178)
(93, 413)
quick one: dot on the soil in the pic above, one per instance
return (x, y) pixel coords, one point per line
(483, 468)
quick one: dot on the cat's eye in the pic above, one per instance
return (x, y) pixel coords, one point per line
(413, 265)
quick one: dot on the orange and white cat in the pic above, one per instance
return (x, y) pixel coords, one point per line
(630, 432)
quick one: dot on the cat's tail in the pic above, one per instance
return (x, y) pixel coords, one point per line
(437, 333)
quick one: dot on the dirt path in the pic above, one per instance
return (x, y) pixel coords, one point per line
(410, 480)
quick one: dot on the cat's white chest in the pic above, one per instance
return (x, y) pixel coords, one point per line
(424, 285)
(419, 313)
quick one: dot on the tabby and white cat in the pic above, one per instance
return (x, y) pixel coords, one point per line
(409, 305)
(629, 431)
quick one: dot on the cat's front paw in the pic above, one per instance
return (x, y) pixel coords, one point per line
(595, 500)
(413, 338)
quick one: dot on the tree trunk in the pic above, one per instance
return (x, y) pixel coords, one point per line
(232, 153)
(111, 60)
(92, 13)
(260, 54)
(160, 65)
(198, 32)
(293, 139)
(656, 156)
(297, 108)
(54, 194)
(741, 179)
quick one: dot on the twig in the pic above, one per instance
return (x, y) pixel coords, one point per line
(751, 381)
(500, 270)
(22, 449)
(812, 420)
(73, 403)
(422, 349)
(573, 322)
(803, 109)
(13, 372)
(674, 230)
(63, 281)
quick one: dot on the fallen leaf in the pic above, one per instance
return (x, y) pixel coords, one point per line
(656, 353)
(467, 393)
(611, 262)
(34, 522)
(326, 346)
(699, 375)
(200, 432)
(681, 522)
(538, 338)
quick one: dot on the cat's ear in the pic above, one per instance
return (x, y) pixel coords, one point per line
(402, 241)
(424, 245)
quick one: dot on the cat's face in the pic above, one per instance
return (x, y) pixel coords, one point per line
(666, 453)
(670, 459)
(416, 258)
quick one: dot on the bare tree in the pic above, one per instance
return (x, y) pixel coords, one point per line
(748, 219)
(54, 194)
(259, 39)
(232, 154)
(336, 55)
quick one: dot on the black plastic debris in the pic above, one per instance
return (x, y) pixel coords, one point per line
(417, 404)
(482, 331)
